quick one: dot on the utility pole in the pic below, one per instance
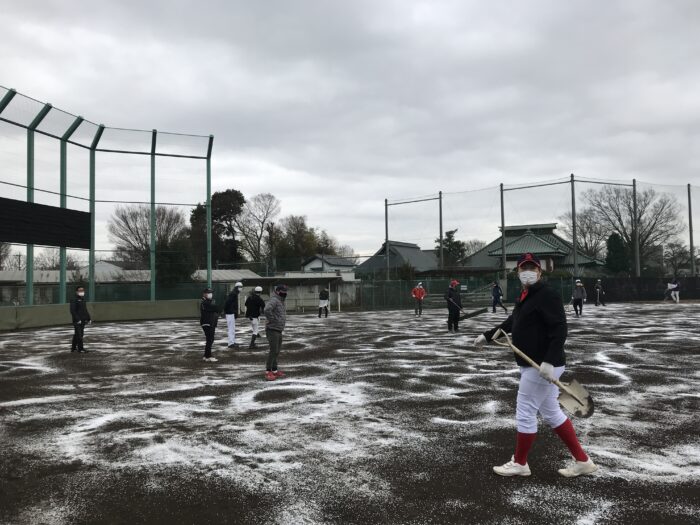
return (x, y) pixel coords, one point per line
(573, 223)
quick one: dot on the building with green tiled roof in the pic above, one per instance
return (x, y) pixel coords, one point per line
(554, 251)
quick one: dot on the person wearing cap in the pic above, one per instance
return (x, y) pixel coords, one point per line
(454, 306)
(231, 309)
(599, 293)
(418, 294)
(208, 318)
(276, 315)
(80, 317)
(254, 306)
(538, 327)
(578, 297)
(323, 301)
(497, 297)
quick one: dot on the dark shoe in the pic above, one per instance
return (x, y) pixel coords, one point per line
(73, 350)
(252, 342)
(234, 345)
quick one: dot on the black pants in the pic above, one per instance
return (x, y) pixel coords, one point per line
(578, 306)
(324, 309)
(497, 302)
(419, 306)
(209, 335)
(453, 320)
(78, 330)
(599, 298)
(275, 339)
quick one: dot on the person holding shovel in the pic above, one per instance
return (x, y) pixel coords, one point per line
(538, 327)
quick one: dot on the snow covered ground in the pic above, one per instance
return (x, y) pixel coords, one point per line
(383, 417)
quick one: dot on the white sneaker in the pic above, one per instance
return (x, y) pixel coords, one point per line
(578, 468)
(512, 469)
(211, 359)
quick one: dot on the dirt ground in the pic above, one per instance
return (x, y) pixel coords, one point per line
(384, 418)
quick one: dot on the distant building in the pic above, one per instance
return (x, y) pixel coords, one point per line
(328, 263)
(554, 251)
(400, 254)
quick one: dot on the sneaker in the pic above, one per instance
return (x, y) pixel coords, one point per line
(512, 469)
(233, 345)
(278, 373)
(577, 468)
(210, 359)
(269, 376)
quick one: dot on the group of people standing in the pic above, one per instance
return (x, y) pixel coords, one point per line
(274, 311)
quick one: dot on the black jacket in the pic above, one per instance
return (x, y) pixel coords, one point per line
(254, 306)
(538, 326)
(78, 310)
(496, 292)
(452, 297)
(231, 304)
(209, 313)
(323, 296)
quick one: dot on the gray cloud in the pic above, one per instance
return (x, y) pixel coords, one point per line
(334, 106)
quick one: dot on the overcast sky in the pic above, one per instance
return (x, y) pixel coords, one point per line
(334, 106)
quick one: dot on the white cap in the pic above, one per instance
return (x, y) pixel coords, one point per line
(238, 284)
(420, 284)
(258, 288)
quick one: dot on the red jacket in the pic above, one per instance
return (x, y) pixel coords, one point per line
(418, 293)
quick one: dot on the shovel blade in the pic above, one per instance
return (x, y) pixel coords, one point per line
(576, 399)
(473, 313)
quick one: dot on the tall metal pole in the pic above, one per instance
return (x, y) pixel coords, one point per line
(573, 222)
(386, 235)
(690, 230)
(64, 191)
(91, 259)
(503, 237)
(211, 144)
(442, 250)
(29, 270)
(635, 231)
(153, 215)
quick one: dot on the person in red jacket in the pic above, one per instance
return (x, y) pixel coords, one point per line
(418, 294)
(538, 326)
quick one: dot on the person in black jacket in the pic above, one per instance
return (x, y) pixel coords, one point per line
(208, 318)
(454, 306)
(80, 317)
(254, 306)
(538, 326)
(231, 308)
(497, 297)
(323, 301)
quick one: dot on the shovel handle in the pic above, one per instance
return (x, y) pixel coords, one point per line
(527, 358)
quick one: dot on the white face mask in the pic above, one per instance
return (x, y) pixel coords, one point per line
(528, 277)
(208, 295)
(81, 294)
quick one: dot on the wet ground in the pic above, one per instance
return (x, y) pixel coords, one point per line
(383, 418)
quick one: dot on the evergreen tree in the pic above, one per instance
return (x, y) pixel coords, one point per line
(617, 260)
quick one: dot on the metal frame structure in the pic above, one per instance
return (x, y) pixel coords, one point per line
(65, 139)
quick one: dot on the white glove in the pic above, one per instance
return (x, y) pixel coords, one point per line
(480, 341)
(585, 300)
(547, 371)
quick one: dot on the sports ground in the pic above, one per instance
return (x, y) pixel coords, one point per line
(383, 418)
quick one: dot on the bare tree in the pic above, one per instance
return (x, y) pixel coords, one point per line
(591, 234)
(258, 213)
(347, 252)
(5, 250)
(50, 259)
(676, 257)
(473, 245)
(658, 216)
(129, 230)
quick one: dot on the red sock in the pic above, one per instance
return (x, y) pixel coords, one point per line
(567, 434)
(522, 446)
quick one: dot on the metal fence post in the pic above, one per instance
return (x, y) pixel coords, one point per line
(386, 235)
(573, 223)
(635, 230)
(211, 143)
(503, 237)
(442, 251)
(91, 260)
(29, 270)
(64, 190)
(154, 136)
(690, 231)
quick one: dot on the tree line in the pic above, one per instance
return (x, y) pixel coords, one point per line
(243, 232)
(605, 230)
